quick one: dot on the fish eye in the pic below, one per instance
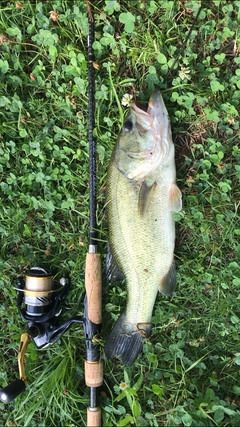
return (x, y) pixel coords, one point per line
(128, 125)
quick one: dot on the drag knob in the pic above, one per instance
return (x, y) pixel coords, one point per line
(7, 394)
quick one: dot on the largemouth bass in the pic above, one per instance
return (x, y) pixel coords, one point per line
(141, 197)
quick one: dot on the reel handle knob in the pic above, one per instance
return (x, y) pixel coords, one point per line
(8, 393)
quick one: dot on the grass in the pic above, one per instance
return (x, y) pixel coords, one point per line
(188, 374)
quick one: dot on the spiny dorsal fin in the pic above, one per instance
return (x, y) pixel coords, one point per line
(145, 192)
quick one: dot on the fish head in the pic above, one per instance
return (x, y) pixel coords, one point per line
(145, 140)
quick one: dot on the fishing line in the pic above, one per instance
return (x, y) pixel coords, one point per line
(186, 40)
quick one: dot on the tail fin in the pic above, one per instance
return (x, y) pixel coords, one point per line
(125, 340)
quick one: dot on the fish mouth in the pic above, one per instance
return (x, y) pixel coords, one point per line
(143, 120)
(156, 104)
(156, 115)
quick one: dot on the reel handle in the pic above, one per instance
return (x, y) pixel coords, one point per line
(8, 393)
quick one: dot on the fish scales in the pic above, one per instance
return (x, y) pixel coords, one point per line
(140, 244)
(141, 197)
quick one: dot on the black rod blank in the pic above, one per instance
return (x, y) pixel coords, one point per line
(92, 141)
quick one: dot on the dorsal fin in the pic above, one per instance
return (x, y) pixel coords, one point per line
(113, 272)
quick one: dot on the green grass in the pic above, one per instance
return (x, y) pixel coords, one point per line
(188, 374)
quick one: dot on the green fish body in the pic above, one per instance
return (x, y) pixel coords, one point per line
(141, 198)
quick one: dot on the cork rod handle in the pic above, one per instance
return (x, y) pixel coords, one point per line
(94, 417)
(93, 285)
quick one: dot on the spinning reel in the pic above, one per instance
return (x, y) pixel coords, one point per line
(38, 300)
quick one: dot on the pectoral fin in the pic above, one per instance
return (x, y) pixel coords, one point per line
(145, 193)
(168, 284)
(175, 198)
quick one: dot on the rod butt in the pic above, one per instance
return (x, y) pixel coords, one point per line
(94, 417)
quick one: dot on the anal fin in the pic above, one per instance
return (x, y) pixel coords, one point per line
(168, 284)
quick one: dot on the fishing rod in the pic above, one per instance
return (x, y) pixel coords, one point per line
(93, 276)
(39, 295)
